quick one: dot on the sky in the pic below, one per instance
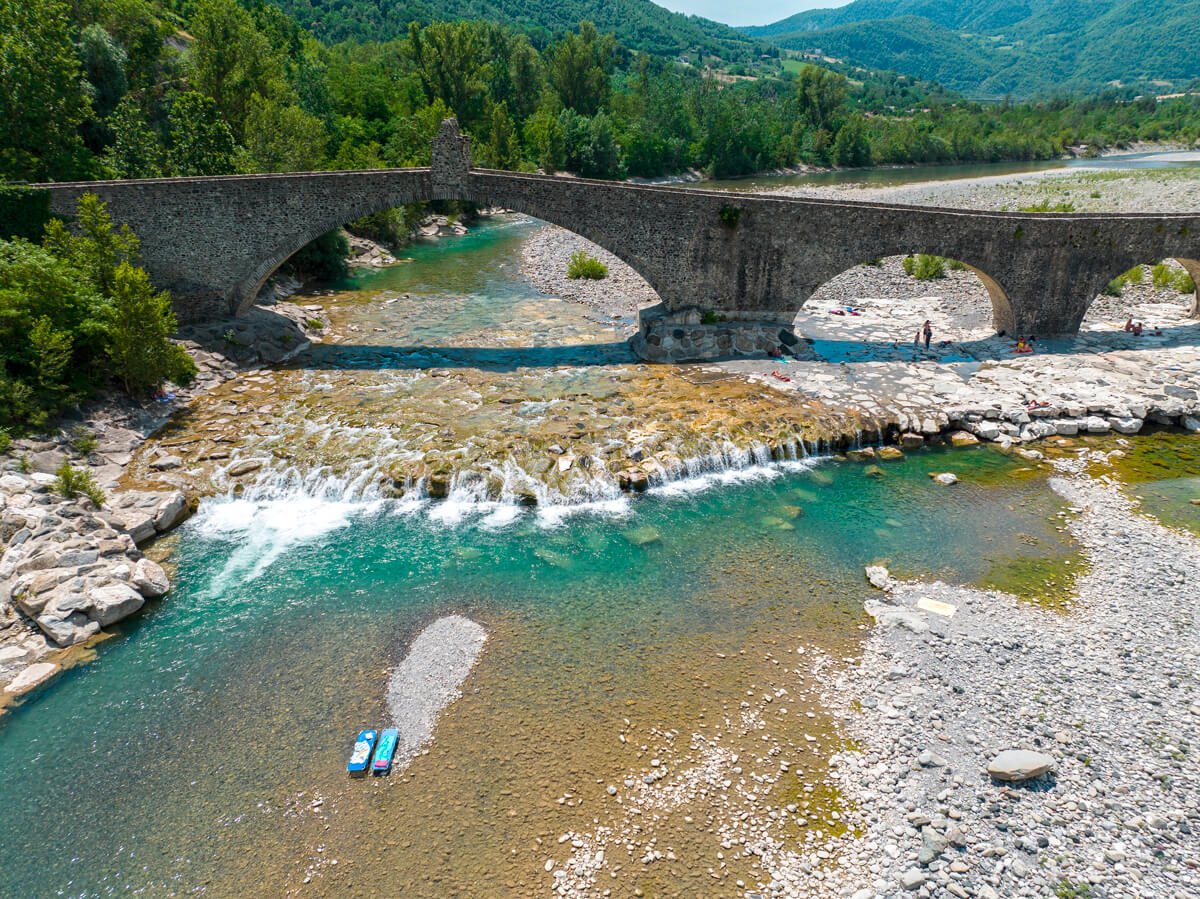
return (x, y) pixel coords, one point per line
(747, 12)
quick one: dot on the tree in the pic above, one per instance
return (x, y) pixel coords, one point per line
(852, 146)
(231, 60)
(104, 65)
(41, 101)
(95, 247)
(820, 93)
(284, 138)
(135, 151)
(502, 150)
(201, 142)
(579, 68)
(546, 139)
(452, 66)
(138, 326)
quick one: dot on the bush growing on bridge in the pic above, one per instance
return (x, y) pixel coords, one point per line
(924, 267)
(583, 265)
(1047, 206)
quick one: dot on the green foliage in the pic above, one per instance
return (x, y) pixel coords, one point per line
(104, 62)
(1117, 285)
(1068, 889)
(76, 312)
(582, 265)
(924, 267)
(83, 441)
(1161, 276)
(138, 326)
(579, 67)
(72, 482)
(1183, 283)
(730, 216)
(852, 147)
(42, 103)
(201, 142)
(135, 151)
(391, 227)
(24, 212)
(1047, 206)
(5, 441)
(283, 138)
(325, 257)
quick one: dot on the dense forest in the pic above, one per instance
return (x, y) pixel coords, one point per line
(131, 88)
(1028, 48)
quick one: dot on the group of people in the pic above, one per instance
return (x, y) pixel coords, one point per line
(1132, 327)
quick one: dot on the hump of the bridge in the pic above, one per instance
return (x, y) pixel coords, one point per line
(450, 162)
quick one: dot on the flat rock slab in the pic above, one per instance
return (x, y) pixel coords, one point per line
(1016, 765)
(429, 679)
(31, 677)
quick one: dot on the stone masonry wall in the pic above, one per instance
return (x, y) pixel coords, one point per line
(747, 257)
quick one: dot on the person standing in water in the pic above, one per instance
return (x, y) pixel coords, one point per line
(927, 331)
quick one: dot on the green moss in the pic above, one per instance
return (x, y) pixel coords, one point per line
(1048, 581)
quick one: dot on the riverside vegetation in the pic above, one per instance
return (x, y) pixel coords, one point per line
(139, 88)
(76, 313)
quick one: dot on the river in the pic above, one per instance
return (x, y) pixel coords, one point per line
(203, 750)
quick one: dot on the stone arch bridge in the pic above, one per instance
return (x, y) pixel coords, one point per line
(732, 270)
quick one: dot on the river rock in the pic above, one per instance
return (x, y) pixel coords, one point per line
(237, 469)
(69, 630)
(46, 462)
(171, 512)
(911, 441)
(31, 677)
(1016, 765)
(963, 438)
(112, 602)
(888, 616)
(946, 478)
(1190, 424)
(890, 454)
(149, 579)
(878, 577)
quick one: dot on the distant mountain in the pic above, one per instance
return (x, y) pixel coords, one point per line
(638, 24)
(1019, 47)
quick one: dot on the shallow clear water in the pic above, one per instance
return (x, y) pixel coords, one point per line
(187, 755)
(203, 751)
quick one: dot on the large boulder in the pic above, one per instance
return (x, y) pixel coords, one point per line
(1016, 765)
(69, 630)
(149, 579)
(112, 602)
(171, 512)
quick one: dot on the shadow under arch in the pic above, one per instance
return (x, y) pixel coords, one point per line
(1003, 319)
(1127, 264)
(411, 186)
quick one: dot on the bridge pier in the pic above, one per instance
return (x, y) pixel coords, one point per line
(691, 335)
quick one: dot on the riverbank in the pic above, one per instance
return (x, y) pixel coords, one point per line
(950, 677)
(70, 570)
(1107, 690)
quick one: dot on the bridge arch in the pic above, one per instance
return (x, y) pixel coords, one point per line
(1127, 264)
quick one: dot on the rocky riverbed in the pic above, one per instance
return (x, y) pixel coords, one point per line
(988, 747)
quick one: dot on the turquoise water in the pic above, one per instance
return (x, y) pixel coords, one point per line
(191, 736)
(203, 750)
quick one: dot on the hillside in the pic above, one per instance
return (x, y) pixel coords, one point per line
(638, 24)
(1024, 48)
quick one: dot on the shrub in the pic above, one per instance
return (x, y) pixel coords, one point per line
(324, 258)
(1183, 282)
(72, 482)
(730, 216)
(1047, 206)
(5, 441)
(1162, 276)
(924, 267)
(83, 441)
(582, 265)
(138, 325)
(955, 266)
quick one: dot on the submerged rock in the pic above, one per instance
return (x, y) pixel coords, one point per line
(946, 478)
